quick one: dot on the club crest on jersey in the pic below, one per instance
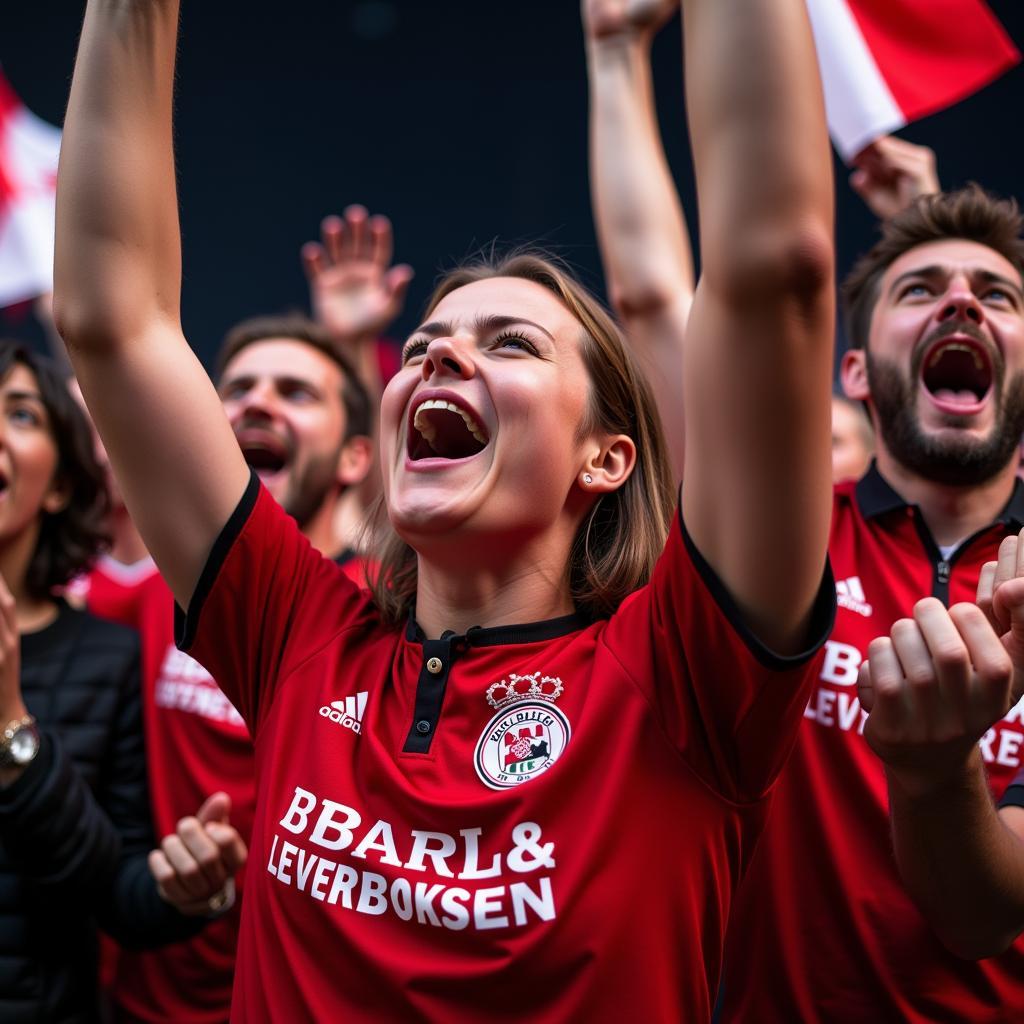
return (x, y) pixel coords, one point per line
(526, 736)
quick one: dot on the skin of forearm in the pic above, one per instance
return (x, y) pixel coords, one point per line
(961, 864)
(118, 250)
(764, 170)
(640, 222)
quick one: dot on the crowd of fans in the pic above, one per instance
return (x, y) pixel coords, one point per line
(542, 671)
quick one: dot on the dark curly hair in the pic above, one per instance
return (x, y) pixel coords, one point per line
(69, 540)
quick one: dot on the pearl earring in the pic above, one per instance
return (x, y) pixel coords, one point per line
(587, 478)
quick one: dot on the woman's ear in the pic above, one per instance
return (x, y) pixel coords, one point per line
(57, 497)
(355, 460)
(608, 466)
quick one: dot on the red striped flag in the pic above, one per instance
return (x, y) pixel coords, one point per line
(885, 63)
(29, 148)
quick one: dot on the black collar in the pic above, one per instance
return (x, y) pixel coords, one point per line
(494, 636)
(876, 497)
(344, 557)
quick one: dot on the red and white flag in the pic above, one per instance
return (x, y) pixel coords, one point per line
(29, 148)
(885, 63)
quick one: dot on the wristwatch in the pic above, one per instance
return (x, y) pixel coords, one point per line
(19, 743)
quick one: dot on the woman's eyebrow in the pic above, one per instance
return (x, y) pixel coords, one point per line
(20, 395)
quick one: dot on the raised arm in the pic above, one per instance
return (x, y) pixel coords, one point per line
(758, 356)
(641, 229)
(117, 290)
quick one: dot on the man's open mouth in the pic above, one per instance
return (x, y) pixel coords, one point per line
(958, 371)
(439, 428)
(264, 452)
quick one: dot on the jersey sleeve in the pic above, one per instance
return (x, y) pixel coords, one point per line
(729, 704)
(265, 599)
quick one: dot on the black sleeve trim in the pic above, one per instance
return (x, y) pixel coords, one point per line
(823, 614)
(186, 623)
(1014, 795)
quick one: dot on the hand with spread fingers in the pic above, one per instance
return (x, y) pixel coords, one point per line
(941, 679)
(195, 866)
(891, 173)
(355, 291)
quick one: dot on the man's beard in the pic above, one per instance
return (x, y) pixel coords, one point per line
(309, 487)
(958, 461)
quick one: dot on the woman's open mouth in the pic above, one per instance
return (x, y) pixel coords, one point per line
(441, 429)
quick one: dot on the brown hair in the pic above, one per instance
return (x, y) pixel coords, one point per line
(294, 326)
(69, 540)
(970, 213)
(618, 543)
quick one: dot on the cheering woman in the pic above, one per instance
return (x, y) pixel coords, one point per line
(522, 780)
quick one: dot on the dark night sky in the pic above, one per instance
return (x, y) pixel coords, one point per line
(464, 122)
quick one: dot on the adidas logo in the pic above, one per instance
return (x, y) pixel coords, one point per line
(850, 595)
(347, 712)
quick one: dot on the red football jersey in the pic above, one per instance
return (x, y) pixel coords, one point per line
(196, 744)
(540, 822)
(111, 589)
(823, 929)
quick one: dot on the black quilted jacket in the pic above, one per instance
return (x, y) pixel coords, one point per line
(75, 828)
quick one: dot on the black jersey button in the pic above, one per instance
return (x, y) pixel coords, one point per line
(434, 666)
(423, 726)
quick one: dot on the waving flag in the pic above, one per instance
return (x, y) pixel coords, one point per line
(885, 63)
(28, 180)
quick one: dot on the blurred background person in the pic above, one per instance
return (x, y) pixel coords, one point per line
(75, 828)
(853, 439)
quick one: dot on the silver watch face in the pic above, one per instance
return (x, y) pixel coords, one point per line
(24, 745)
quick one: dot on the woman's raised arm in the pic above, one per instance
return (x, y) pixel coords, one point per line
(118, 284)
(758, 355)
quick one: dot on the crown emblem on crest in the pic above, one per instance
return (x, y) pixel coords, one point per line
(529, 687)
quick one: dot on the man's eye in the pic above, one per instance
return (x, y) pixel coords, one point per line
(915, 291)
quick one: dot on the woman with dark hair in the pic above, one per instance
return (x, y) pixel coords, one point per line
(522, 783)
(74, 821)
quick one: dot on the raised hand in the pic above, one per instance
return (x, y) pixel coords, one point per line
(196, 864)
(891, 173)
(941, 679)
(603, 18)
(355, 292)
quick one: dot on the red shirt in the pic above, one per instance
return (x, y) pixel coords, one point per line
(111, 588)
(823, 929)
(419, 854)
